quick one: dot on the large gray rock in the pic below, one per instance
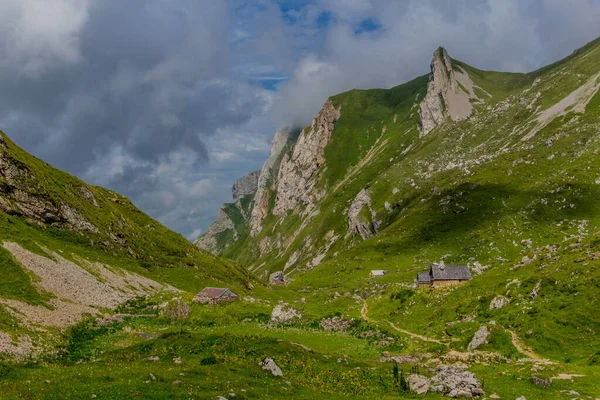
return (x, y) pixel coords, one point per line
(283, 312)
(418, 383)
(449, 93)
(356, 222)
(479, 338)
(269, 365)
(456, 382)
(267, 174)
(499, 302)
(245, 185)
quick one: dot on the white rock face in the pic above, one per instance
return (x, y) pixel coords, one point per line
(269, 365)
(261, 200)
(499, 302)
(283, 312)
(297, 173)
(445, 96)
(208, 241)
(245, 185)
(365, 229)
(479, 338)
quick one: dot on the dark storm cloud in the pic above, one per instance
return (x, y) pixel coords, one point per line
(168, 102)
(123, 94)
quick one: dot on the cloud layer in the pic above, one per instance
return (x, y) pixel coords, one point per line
(169, 102)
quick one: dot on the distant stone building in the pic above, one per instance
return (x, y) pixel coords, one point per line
(212, 295)
(377, 272)
(444, 275)
(277, 278)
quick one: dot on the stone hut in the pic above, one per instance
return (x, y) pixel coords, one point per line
(277, 278)
(377, 273)
(212, 295)
(444, 275)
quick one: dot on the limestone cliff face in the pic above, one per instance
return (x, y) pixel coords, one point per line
(261, 199)
(295, 180)
(449, 93)
(245, 185)
(208, 241)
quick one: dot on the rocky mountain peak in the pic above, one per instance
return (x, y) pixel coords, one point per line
(246, 185)
(449, 93)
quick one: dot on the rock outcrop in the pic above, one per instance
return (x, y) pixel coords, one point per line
(208, 241)
(418, 383)
(298, 171)
(267, 176)
(456, 382)
(449, 93)
(479, 338)
(499, 302)
(21, 194)
(245, 185)
(269, 365)
(358, 222)
(283, 312)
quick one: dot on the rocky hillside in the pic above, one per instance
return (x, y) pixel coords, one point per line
(406, 164)
(68, 249)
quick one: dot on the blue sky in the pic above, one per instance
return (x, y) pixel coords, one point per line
(180, 98)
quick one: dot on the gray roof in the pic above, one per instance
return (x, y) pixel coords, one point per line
(423, 277)
(450, 272)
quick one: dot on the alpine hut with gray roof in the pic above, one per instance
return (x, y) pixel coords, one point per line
(211, 295)
(444, 275)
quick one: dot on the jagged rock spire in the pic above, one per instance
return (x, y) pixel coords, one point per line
(448, 93)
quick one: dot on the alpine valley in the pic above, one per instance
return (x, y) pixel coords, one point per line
(493, 174)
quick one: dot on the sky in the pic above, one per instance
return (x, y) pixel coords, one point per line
(169, 102)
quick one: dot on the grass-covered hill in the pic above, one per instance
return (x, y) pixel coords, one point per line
(68, 249)
(41, 205)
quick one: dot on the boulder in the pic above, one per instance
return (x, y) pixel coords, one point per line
(269, 365)
(456, 382)
(479, 338)
(418, 383)
(499, 302)
(283, 312)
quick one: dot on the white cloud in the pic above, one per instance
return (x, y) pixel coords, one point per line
(40, 34)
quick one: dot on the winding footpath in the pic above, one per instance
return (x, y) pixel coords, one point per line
(364, 313)
(516, 341)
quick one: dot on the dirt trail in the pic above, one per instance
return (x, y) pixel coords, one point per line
(521, 347)
(516, 341)
(364, 313)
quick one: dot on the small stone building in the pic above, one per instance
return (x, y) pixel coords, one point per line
(444, 275)
(212, 295)
(277, 278)
(377, 273)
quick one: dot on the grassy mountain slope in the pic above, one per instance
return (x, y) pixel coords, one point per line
(512, 191)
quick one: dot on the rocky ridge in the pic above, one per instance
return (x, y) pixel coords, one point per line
(267, 176)
(449, 93)
(297, 173)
